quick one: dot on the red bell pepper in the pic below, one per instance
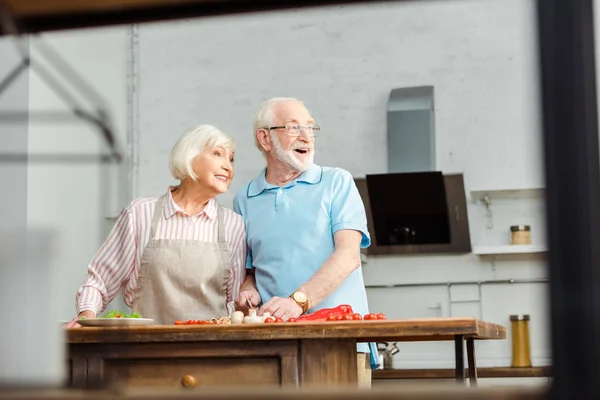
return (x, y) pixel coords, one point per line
(322, 314)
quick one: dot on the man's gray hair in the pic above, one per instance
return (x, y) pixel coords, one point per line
(265, 115)
(192, 143)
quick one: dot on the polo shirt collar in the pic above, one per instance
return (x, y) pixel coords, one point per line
(312, 176)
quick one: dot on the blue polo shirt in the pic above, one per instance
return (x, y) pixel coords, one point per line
(290, 234)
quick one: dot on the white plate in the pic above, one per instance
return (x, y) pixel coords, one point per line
(115, 321)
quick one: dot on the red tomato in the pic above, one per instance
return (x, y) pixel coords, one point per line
(357, 317)
(278, 320)
(191, 322)
(380, 316)
(179, 322)
(331, 317)
(347, 317)
(269, 320)
(370, 316)
(292, 320)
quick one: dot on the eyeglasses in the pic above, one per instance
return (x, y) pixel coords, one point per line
(296, 130)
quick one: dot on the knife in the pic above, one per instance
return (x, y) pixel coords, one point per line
(250, 304)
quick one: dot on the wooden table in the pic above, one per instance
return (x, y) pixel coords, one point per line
(288, 354)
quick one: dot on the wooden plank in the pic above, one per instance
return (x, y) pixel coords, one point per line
(43, 15)
(404, 392)
(495, 372)
(185, 350)
(362, 331)
(328, 362)
(30, 8)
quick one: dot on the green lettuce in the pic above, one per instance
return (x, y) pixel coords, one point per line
(118, 314)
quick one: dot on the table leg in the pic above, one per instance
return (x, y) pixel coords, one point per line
(471, 361)
(459, 358)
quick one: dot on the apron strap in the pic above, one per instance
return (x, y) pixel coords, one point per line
(224, 252)
(221, 226)
(157, 210)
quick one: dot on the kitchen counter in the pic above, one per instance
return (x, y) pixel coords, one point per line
(284, 354)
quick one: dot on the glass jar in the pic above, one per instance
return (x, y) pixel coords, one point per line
(520, 234)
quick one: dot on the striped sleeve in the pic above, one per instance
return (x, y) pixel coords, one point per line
(111, 266)
(237, 253)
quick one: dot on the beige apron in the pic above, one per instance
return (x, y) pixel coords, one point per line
(182, 279)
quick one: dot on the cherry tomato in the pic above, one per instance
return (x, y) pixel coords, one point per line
(356, 317)
(269, 320)
(331, 317)
(191, 322)
(278, 320)
(347, 317)
(292, 320)
(380, 316)
(200, 322)
(179, 322)
(370, 316)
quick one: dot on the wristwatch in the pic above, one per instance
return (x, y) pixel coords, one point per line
(301, 299)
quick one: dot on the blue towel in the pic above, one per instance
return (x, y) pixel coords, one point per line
(374, 356)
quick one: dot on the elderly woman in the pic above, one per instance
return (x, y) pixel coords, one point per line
(178, 256)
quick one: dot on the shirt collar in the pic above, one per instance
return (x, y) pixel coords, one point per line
(170, 208)
(312, 176)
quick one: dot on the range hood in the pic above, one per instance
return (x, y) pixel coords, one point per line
(414, 208)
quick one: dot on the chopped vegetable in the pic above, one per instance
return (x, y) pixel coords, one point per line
(118, 314)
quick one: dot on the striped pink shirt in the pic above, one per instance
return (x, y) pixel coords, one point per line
(117, 263)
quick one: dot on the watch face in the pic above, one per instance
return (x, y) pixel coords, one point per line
(301, 297)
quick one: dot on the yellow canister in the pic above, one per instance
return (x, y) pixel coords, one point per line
(521, 352)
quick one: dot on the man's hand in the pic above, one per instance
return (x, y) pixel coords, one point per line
(241, 302)
(284, 308)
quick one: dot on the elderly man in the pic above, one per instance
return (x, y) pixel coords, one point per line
(305, 226)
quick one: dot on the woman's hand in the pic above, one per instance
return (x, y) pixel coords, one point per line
(242, 301)
(73, 323)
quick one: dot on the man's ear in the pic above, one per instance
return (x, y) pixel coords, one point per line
(263, 137)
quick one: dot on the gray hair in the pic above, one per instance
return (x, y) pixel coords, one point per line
(265, 115)
(192, 143)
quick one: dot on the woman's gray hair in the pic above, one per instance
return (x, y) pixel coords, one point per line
(265, 115)
(192, 143)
